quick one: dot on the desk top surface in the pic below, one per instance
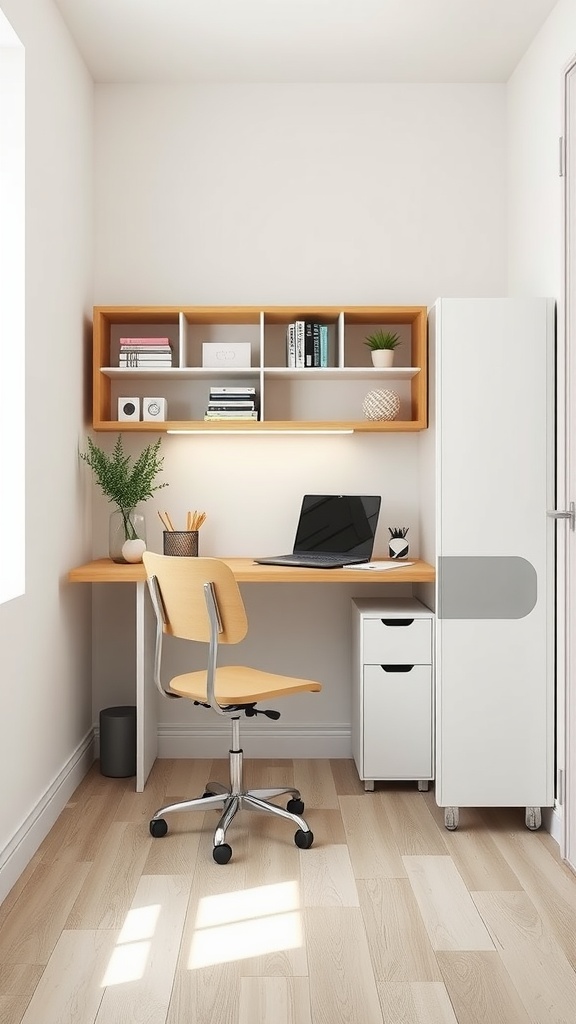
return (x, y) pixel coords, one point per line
(104, 570)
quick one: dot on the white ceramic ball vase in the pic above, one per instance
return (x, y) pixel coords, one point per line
(132, 550)
(381, 405)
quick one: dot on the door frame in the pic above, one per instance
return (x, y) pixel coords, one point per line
(566, 485)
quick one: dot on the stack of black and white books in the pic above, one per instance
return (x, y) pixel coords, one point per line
(306, 344)
(145, 353)
(232, 403)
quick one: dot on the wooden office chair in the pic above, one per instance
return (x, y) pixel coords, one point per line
(199, 599)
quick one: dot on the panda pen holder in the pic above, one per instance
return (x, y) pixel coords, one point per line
(398, 545)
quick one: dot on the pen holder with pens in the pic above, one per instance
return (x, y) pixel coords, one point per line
(398, 545)
(181, 542)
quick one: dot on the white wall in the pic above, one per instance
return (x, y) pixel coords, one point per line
(272, 194)
(535, 215)
(45, 635)
(288, 194)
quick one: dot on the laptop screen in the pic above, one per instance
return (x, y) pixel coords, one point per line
(341, 523)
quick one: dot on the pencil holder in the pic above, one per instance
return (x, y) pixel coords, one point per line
(181, 542)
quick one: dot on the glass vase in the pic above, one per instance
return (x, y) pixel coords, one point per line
(126, 526)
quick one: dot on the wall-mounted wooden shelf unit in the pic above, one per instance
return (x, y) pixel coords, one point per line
(314, 399)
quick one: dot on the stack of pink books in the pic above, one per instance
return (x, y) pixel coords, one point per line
(147, 353)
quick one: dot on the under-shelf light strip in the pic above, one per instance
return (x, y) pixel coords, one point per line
(258, 432)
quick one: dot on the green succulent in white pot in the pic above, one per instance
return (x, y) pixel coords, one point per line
(126, 485)
(382, 344)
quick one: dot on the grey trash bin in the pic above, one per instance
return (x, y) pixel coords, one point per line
(118, 742)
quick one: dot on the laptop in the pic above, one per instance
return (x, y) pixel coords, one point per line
(333, 530)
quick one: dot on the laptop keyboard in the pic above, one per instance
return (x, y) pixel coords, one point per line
(320, 557)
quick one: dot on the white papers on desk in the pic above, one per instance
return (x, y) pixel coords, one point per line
(379, 566)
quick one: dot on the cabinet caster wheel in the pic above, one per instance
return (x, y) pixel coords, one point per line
(303, 839)
(222, 853)
(451, 818)
(158, 828)
(295, 806)
(533, 818)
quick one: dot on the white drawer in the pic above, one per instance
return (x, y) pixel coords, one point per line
(397, 641)
(397, 729)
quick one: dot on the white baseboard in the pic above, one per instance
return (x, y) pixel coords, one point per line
(18, 852)
(552, 822)
(257, 741)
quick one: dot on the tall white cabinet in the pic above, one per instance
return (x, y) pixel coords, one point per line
(492, 430)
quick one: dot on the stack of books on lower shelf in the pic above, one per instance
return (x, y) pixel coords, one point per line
(145, 353)
(232, 403)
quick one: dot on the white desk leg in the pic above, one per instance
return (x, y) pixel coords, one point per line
(146, 716)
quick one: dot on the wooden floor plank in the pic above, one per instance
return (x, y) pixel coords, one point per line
(424, 1002)
(542, 975)
(342, 985)
(18, 983)
(274, 1000)
(373, 849)
(205, 995)
(450, 916)
(111, 882)
(549, 884)
(71, 986)
(399, 944)
(33, 926)
(139, 978)
(481, 989)
(474, 851)
(327, 877)
(346, 778)
(315, 781)
(413, 827)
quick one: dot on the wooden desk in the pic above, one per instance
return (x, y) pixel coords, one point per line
(103, 570)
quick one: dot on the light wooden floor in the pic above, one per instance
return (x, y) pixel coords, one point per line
(388, 918)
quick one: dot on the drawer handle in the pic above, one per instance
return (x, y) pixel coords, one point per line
(397, 622)
(397, 668)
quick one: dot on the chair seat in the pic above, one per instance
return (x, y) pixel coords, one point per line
(239, 684)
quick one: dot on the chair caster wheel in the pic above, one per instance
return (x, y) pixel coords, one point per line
(295, 806)
(207, 793)
(222, 853)
(303, 839)
(158, 828)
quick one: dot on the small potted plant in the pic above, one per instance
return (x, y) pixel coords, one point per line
(382, 344)
(126, 487)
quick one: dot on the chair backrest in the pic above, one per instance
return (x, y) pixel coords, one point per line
(182, 581)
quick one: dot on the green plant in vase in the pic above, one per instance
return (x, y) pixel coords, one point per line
(382, 345)
(126, 485)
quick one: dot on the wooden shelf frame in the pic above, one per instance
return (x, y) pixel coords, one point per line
(350, 364)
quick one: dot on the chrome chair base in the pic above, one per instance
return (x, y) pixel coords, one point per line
(233, 798)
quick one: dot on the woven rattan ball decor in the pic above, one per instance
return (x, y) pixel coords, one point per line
(381, 405)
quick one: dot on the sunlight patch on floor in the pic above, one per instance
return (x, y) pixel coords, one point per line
(129, 959)
(250, 922)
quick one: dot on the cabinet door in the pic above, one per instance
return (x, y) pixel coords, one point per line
(398, 722)
(494, 443)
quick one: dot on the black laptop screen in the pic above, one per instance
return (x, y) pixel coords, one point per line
(341, 523)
